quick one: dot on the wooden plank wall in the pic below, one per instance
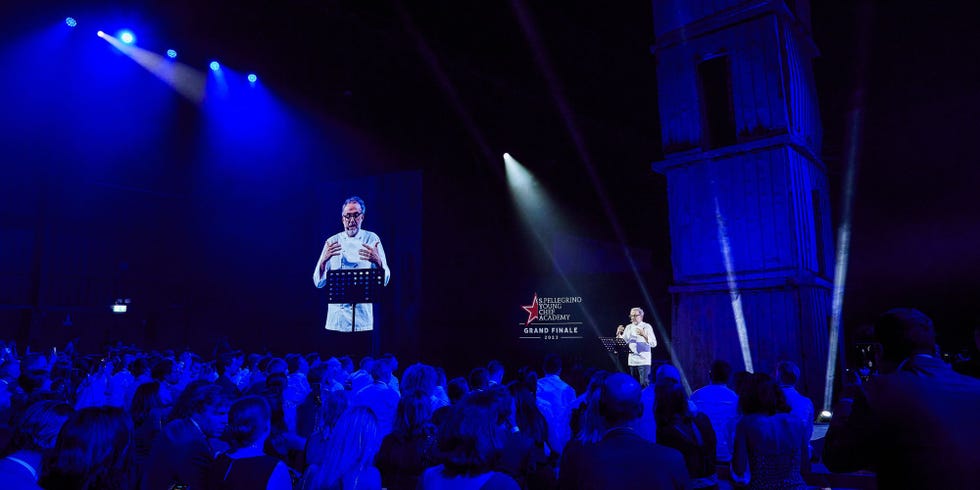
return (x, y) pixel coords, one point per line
(773, 87)
(753, 51)
(788, 323)
(674, 14)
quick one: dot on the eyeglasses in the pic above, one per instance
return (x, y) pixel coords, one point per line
(634, 314)
(351, 216)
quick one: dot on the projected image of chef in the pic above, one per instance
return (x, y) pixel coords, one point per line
(353, 248)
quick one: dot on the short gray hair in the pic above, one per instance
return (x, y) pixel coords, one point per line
(359, 201)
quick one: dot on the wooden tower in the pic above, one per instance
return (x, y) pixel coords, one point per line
(750, 224)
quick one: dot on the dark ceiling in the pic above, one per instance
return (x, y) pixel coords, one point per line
(450, 85)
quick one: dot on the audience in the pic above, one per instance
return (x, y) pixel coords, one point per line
(470, 442)
(495, 369)
(720, 404)
(686, 431)
(184, 449)
(787, 374)
(35, 433)
(422, 378)
(560, 396)
(94, 451)
(916, 424)
(313, 422)
(349, 454)
(332, 405)
(148, 412)
(410, 448)
(621, 458)
(479, 379)
(771, 445)
(245, 466)
(586, 424)
(380, 397)
(527, 457)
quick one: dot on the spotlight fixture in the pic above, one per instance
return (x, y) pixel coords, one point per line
(100, 34)
(126, 36)
(252, 78)
(171, 54)
(215, 66)
(70, 22)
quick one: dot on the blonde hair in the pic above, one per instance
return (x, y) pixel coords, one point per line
(350, 449)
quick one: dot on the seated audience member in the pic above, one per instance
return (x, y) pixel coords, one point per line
(297, 385)
(527, 456)
(647, 424)
(349, 455)
(332, 405)
(457, 389)
(230, 365)
(165, 372)
(479, 379)
(306, 411)
(441, 383)
(739, 380)
(347, 364)
(688, 432)
(120, 383)
(183, 451)
(470, 442)
(586, 423)
(560, 395)
(720, 404)
(621, 458)
(771, 446)
(380, 398)
(148, 412)
(411, 446)
(6, 411)
(9, 371)
(256, 378)
(391, 367)
(334, 376)
(529, 379)
(245, 466)
(495, 369)
(423, 378)
(971, 366)
(35, 433)
(364, 366)
(94, 450)
(787, 374)
(140, 369)
(916, 424)
(283, 442)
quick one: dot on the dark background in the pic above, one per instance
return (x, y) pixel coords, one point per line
(114, 186)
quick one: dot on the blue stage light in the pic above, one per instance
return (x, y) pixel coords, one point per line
(215, 66)
(100, 34)
(171, 54)
(252, 78)
(70, 22)
(126, 36)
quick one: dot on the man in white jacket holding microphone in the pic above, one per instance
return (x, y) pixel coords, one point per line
(639, 336)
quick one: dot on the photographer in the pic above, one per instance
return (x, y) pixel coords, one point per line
(916, 423)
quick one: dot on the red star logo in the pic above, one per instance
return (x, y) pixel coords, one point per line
(532, 310)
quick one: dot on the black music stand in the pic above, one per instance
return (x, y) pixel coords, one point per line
(615, 345)
(354, 286)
